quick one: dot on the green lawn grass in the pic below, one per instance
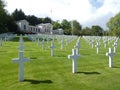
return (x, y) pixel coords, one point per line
(44, 72)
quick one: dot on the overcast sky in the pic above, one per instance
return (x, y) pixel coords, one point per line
(86, 12)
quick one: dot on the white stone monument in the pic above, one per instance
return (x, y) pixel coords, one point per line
(110, 54)
(52, 48)
(98, 47)
(21, 61)
(115, 46)
(74, 57)
(77, 46)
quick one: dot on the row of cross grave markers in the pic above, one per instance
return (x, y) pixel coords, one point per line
(111, 52)
(5, 37)
(21, 60)
(104, 39)
(75, 52)
(37, 38)
(75, 55)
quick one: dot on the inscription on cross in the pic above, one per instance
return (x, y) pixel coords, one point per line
(74, 58)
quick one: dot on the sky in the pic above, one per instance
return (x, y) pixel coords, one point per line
(86, 12)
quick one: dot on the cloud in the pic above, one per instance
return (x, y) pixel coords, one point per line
(87, 12)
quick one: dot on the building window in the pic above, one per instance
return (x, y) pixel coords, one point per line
(24, 27)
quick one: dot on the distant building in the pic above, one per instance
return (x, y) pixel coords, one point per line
(46, 28)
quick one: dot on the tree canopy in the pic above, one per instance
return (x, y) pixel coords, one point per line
(76, 27)
(96, 30)
(114, 25)
(2, 17)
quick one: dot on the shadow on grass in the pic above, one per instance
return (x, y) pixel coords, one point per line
(33, 57)
(88, 73)
(116, 67)
(37, 81)
(3, 51)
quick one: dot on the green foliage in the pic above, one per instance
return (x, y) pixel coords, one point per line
(96, 30)
(66, 26)
(86, 31)
(47, 20)
(2, 17)
(76, 27)
(18, 15)
(33, 20)
(11, 24)
(114, 24)
(56, 25)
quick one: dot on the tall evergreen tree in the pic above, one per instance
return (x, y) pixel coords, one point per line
(18, 15)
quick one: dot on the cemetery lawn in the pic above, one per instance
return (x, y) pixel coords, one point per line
(45, 72)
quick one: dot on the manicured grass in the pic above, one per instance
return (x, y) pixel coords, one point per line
(44, 72)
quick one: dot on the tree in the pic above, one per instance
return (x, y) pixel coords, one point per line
(76, 27)
(33, 20)
(114, 24)
(18, 15)
(96, 30)
(11, 24)
(86, 31)
(56, 25)
(47, 20)
(3, 16)
(66, 26)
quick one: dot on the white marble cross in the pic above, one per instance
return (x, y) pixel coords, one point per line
(110, 54)
(21, 61)
(98, 47)
(52, 48)
(74, 57)
(115, 46)
(77, 46)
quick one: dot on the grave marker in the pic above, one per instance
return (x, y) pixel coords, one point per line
(74, 57)
(98, 47)
(115, 46)
(52, 48)
(21, 61)
(110, 54)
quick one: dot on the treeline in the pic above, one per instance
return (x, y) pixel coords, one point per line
(8, 23)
